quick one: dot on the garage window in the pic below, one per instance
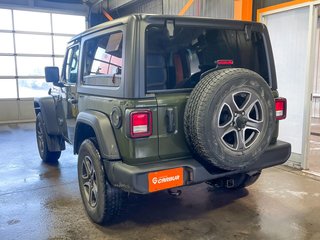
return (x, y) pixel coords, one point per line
(29, 42)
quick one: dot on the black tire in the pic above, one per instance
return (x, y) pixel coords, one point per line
(229, 118)
(46, 155)
(235, 182)
(107, 203)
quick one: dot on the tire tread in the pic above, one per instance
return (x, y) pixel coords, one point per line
(195, 133)
(48, 156)
(114, 198)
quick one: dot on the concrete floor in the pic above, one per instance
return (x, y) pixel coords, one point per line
(39, 201)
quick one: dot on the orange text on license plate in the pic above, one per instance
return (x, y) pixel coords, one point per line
(165, 179)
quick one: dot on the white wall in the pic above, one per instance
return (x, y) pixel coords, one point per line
(315, 111)
(289, 38)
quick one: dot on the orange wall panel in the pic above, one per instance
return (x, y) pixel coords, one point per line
(243, 10)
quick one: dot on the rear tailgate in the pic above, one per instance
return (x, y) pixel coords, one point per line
(172, 142)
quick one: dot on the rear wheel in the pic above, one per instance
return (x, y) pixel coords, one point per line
(45, 154)
(103, 202)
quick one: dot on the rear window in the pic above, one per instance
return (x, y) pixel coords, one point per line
(179, 61)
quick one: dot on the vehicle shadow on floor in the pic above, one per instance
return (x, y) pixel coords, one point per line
(161, 207)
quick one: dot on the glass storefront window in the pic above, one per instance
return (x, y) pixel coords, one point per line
(68, 24)
(60, 44)
(7, 66)
(8, 88)
(5, 19)
(6, 40)
(31, 21)
(34, 41)
(33, 66)
(33, 87)
(58, 61)
(33, 44)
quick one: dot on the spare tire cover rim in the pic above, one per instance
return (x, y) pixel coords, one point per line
(240, 120)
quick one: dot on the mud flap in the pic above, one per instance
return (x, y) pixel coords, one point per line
(54, 122)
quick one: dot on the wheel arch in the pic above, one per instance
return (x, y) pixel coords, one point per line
(96, 124)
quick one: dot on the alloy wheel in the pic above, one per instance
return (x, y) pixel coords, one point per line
(240, 120)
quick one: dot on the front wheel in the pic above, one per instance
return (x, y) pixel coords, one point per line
(103, 202)
(45, 154)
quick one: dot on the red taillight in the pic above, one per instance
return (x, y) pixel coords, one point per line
(223, 62)
(281, 108)
(141, 124)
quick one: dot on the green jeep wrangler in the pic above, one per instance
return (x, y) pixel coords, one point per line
(154, 102)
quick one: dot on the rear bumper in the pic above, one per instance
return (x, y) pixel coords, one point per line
(135, 178)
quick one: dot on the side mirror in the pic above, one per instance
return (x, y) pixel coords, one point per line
(52, 75)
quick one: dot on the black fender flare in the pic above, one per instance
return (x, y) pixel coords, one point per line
(55, 134)
(101, 126)
(52, 114)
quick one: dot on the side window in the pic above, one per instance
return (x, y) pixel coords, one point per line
(72, 63)
(103, 60)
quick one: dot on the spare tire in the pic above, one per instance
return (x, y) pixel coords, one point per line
(229, 118)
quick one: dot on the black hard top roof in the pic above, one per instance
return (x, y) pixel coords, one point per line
(154, 17)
